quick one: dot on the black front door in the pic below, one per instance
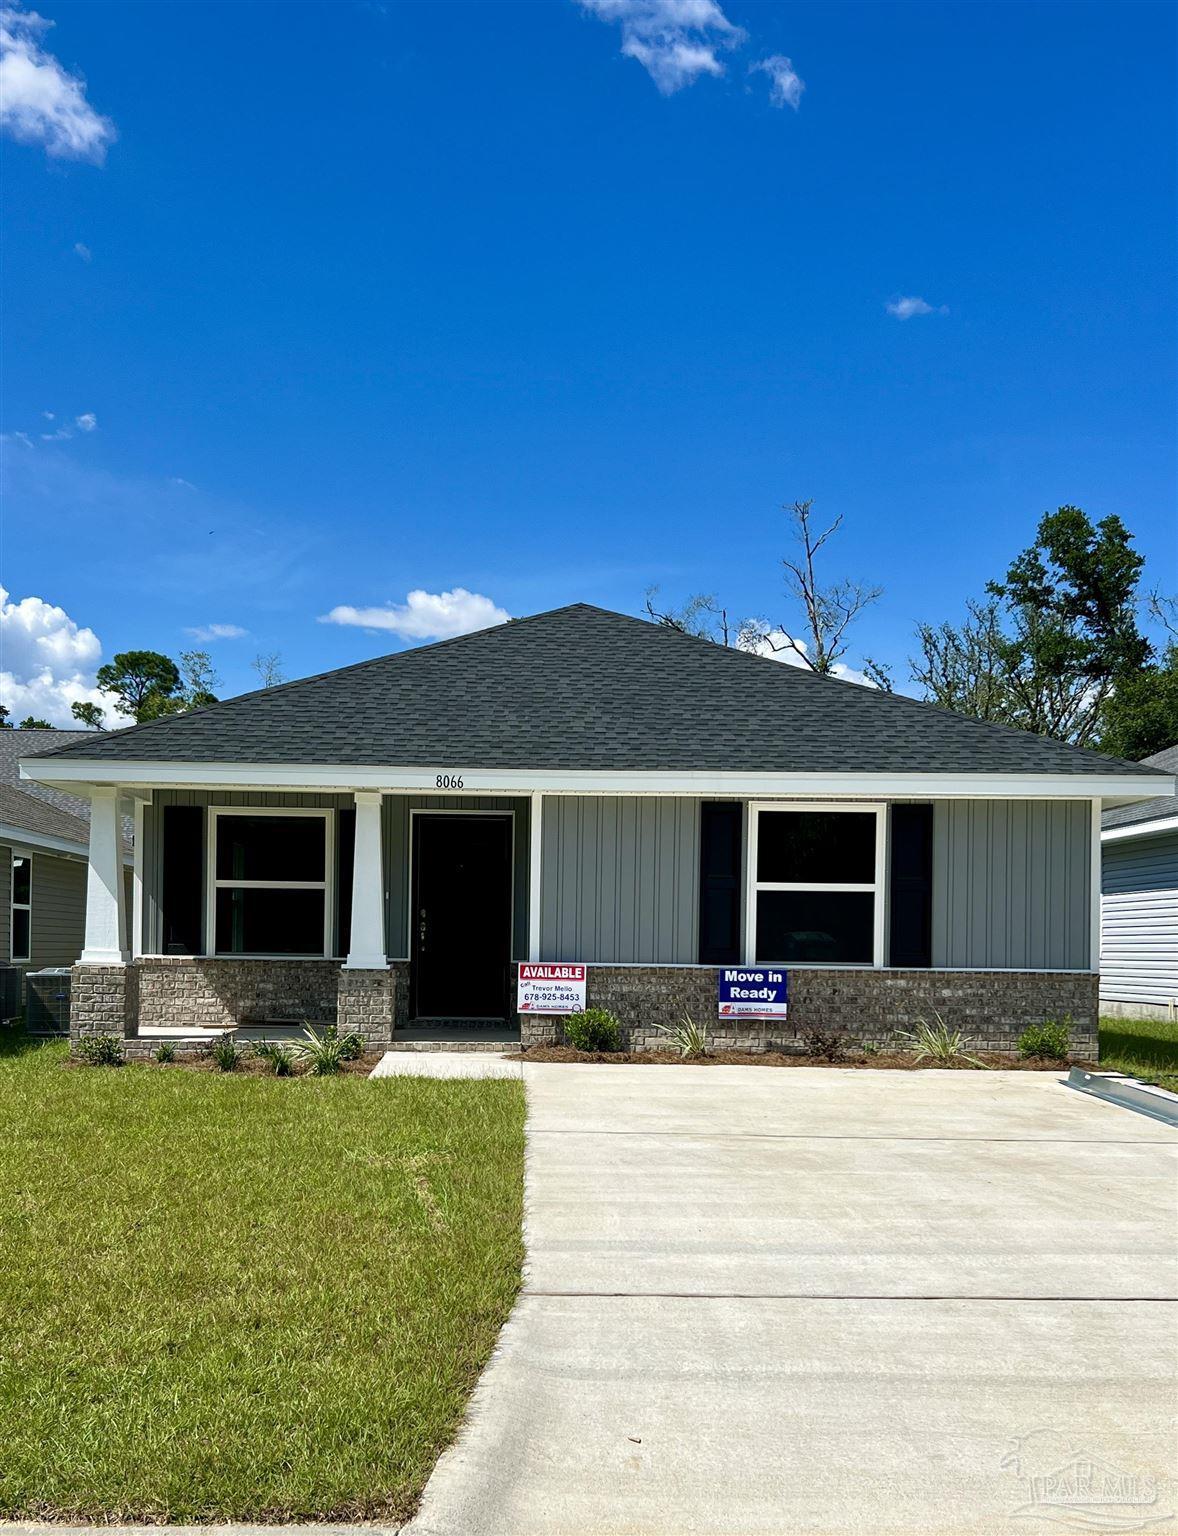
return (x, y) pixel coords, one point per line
(461, 916)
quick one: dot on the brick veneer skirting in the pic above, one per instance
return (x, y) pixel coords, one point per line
(180, 991)
(991, 1008)
(186, 992)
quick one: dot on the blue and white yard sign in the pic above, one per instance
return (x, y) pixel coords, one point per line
(748, 993)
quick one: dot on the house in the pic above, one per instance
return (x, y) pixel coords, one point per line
(1139, 904)
(383, 843)
(44, 842)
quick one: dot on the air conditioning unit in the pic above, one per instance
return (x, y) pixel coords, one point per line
(47, 1006)
(10, 990)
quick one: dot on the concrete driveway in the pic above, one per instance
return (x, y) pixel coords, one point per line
(826, 1301)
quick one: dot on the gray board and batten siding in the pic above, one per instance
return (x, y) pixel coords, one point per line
(620, 875)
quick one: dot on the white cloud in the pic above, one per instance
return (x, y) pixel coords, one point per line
(216, 632)
(83, 252)
(425, 615)
(59, 435)
(47, 661)
(86, 422)
(905, 308)
(761, 640)
(675, 41)
(40, 102)
(785, 84)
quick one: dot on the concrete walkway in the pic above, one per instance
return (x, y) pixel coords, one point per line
(799, 1300)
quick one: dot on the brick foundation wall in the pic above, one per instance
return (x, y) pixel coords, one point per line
(104, 1000)
(180, 991)
(991, 1008)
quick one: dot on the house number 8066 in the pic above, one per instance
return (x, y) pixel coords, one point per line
(449, 781)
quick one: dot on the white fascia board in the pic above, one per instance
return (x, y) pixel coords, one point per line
(20, 839)
(129, 775)
(45, 842)
(1140, 829)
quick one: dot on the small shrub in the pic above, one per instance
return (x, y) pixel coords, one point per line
(226, 1053)
(165, 1052)
(826, 1045)
(278, 1058)
(352, 1047)
(1049, 1041)
(325, 1053)
(595, 1029)
(100, 1050)
(937, 1042)
(689, 1038)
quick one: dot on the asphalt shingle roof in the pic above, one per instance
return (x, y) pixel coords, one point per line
(35, 807)
(1148, 810)
(581, 688)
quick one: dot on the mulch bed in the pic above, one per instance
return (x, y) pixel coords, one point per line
(248, 1066)
(895, 1062)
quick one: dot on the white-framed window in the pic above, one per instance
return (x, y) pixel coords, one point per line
(269, 881)
(815, 884)
(22, 906)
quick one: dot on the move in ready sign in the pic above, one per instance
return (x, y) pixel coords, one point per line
(746, 993)
(552, 988)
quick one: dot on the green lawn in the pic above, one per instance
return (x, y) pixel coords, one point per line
(1145, 1048)
(232, 1297)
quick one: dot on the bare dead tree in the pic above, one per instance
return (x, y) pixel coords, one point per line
(269, 669)
(829, 609)
(700, 616)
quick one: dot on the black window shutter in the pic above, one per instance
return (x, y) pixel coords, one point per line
(182, 883)
(345, 857)
(719, 881)
(911, 886)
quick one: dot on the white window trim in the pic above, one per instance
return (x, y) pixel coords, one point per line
(213, 884)
(876, 887)
(19, 906)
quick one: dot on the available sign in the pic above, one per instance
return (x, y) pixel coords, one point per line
(552, 988)
(754, 994)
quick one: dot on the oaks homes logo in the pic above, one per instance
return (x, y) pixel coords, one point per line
(1080, 1492)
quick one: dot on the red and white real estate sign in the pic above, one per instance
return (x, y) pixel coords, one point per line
(552, 988)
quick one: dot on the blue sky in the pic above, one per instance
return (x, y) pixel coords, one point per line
(553, 301)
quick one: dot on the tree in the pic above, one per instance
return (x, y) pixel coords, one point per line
(829, 609)
(269, 669)
(1056, 639)
(200, 678)
(5, 722)
(31, 723)
(146, 684)
(1141, 717)
(88, 714)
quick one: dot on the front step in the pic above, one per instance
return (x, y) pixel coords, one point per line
(451, 1037)
(491, 1047)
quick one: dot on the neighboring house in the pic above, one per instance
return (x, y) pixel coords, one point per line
(382, 843)
(44, 840)
(1139, 905)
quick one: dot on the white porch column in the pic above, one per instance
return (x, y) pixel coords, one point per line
(367, 952)
(535, 866)
(106, 917)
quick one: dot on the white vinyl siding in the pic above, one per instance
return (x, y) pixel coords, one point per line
(1139, 920)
